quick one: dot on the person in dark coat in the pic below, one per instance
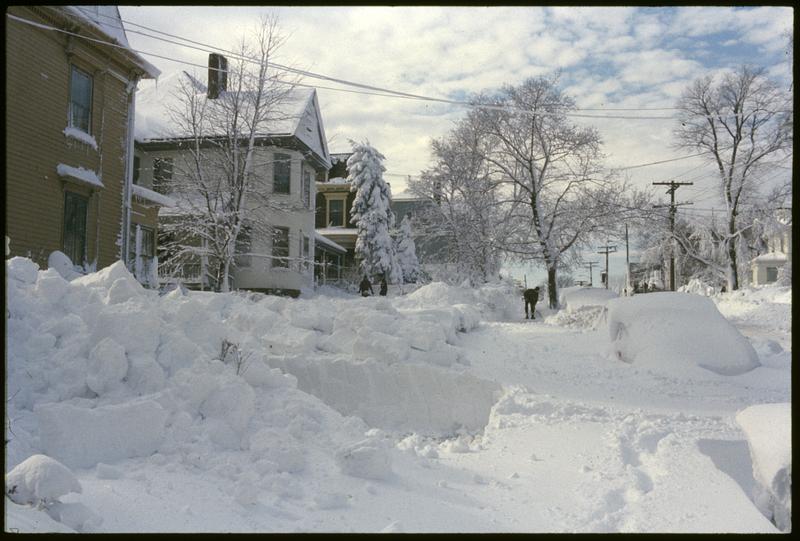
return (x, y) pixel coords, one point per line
(384, 286)
(531, 298)
(365, 287)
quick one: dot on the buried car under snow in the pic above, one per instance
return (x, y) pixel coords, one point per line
(677, 332)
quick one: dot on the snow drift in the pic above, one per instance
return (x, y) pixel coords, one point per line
(677, 331)
(768, 428)
(104, 370)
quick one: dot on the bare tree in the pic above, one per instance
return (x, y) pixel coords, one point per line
(465, 217)
(549, 171)
(741, 123)
(220, 194)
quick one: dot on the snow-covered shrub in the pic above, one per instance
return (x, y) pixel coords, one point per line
(40, 480)
(672, 332)
(768, 428)
(698, 287)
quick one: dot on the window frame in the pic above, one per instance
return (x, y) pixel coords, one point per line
(306, 187)
(284, 160)
(160, 182)
(329, 221)
(68, 234)
(244, 241)
(280, 253)
(71, 101)
(771, 272)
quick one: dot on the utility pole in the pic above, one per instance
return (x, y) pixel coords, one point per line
(607, 250)
(672, 208)
(590, 264)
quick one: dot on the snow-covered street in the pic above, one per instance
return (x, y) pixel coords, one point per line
(438, 410)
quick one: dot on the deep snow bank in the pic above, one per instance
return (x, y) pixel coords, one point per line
(582, 307)
(768, 428)
(400, 396)
(675, 332)
(102, 370)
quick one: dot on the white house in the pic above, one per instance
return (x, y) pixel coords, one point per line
(289, 156)
(766, 266)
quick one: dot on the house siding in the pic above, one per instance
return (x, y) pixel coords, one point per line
(260, 276)
(37, 97)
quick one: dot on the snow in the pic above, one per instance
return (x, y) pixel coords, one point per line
(437, 410)
(81, 136)
(63, 265)
(772, 257)
(155, 197)
(677, 331)
(318, 238)
(40, 478)
(587, 296)
(337, 180)
(79, 173)
(768, 428)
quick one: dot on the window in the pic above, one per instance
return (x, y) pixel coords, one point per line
(162, 174)
(243, 246)
(772, 274)
(307, 189)
(280, 247)
(142, 252)
(75, 207)
(136, 166)
(336, 212)
(282, 168)
(306, 254)
(80, 100)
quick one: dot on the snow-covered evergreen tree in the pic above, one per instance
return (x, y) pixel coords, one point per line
(371, 213)
(407, 252)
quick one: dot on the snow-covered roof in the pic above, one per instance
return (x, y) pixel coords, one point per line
(80, 174)
(771, 257)
(107, 19)
(298, 115)
(154, 197)
(337, 157)
(328, 242)
(350, 231)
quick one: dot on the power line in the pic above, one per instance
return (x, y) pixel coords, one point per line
(394, 93)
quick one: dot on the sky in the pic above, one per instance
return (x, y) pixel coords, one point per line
(609, 58)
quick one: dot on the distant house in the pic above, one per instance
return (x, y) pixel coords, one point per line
(766, 266)
(290, 155)
(332, 221)
(69, 124)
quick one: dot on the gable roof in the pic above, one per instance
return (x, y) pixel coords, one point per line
(107, 20)
(298, 115)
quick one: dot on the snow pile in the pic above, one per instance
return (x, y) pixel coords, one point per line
(768, 428)
(40, 479)
(587, 297)
(103, 370)
(63, 265)
(496, 301)
(698, 287)
(674, 332)
(583, 307)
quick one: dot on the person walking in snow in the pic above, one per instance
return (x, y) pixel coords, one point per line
(365, 287)
(531, 298)
(384, 286)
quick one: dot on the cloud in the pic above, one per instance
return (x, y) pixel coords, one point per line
(609, 57)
